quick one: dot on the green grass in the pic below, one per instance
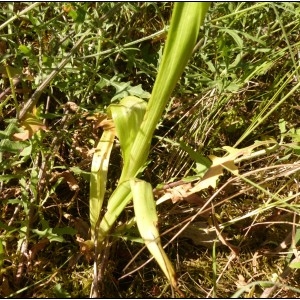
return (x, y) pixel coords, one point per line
(240, 85)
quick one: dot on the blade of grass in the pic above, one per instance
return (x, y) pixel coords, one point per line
(263, 114)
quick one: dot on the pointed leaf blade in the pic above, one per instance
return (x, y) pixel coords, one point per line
(146, 218)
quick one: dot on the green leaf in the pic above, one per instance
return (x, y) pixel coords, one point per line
(202, 162)
(64, 230)
(48, 233)
(78, 15)
(255, 39)
(295, 264)
(266, 284)
(59, 292)
(124, 89)
(147, 222)
(116, 204)
(12, 146)
(6, 178)
(26, 151)
(34, 21)
(2, 254)
(186, 20)
(98, 176)
(138, 92)
(14, 201)
(78, 171)
(234, 35)
(128, 116)
(282, 126)
(10, 130)
(25, 50)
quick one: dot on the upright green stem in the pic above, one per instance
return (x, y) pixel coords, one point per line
(185, 24)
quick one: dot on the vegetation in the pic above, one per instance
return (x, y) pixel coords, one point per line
(223, 163)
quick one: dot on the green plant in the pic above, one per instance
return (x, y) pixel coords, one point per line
(140, 124)
(240, 86)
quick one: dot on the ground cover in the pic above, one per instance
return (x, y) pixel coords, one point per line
(236, 105)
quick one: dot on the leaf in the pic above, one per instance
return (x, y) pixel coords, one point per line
(123, 89)
(99, 169)
(139, 92)
(201, 234)
(4, 226)
(219, 163)
(116, 204)
(216, 170)
(38, 247)
(29, 126)
(68, 177)
(26, 151)
(64, 230)
(77, 14)
(10, 129)
(241, 283)
(295, 264)
(86, 248)
(176, 194)
(234, 35)
(282, 126)
(187, 17)
(52, 234)
(59, 292)
(185, 24)
(48, 233)
(78, 171)
(12, 146)
(24, 49)
(6, 178)
(147, 221)
(202, 162)
(128, 116)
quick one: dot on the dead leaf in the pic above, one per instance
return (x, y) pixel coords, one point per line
(29, 126)
(215, 171)
(176, 194)
(241, 283)
(5, 287)
(101, 120)
(210, 178)
(201, 234)
(68, 177)
(39, 246)
(72, 106)
(86, 248)
(227, 162)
